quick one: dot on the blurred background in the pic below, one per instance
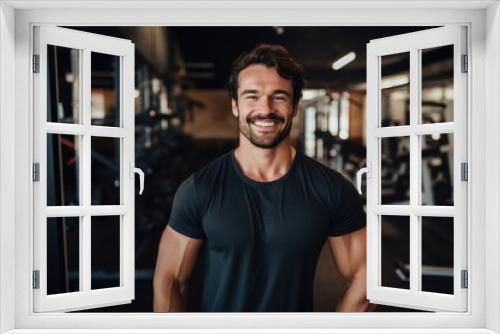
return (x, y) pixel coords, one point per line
(183, 120)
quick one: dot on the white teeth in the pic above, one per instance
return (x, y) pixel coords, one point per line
(261, 123)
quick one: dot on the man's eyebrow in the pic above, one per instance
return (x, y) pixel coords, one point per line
(255, 91)
(249, 91)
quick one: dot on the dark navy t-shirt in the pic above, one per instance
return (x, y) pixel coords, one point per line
(262, 240)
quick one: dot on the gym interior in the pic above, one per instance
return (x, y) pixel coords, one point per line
(183, 120)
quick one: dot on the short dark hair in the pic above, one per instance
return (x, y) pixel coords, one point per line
(271, 56)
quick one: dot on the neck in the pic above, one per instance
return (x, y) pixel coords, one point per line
(265, 164)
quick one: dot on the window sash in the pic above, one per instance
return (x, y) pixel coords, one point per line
(414, 297)
(86, 43)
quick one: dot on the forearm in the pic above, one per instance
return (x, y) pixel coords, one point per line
(169, 296)
(354, 298)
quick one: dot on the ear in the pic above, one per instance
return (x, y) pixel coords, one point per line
(234, 107)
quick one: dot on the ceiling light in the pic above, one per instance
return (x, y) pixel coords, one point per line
(343, 61)
(394, 81)
(309, 94)
(279, 30)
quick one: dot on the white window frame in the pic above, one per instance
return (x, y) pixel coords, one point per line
(86, 44)
(413, 43)
(16, 213)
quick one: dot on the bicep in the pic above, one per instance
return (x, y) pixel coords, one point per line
(349, 253)
(177, 254)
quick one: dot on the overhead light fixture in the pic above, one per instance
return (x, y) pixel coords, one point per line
(343, 61)
(395, 81)
(309, 94)
(279, 30)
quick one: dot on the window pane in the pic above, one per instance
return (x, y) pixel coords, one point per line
(63, 84)
(437, 169)
(63, 240)
(395, 170)
(105, 252)
(395, 89)
(437, 84)
(437, 254)
(395, 251)
(105, 171)
(105, 81)
(63, 159)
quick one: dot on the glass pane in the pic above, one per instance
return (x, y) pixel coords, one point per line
(105, 252)
(437, 169)
(105, 171)
(63, 240)
(63, 159)
(395, 89)
(395, 170)
(437, 254)
(437, 84)
(395, 251)
(105, 81)
(63, 84)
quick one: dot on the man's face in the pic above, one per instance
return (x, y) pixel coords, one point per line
(264, 108)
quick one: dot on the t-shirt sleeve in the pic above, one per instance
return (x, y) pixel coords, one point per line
(348, 213)
(185, 216)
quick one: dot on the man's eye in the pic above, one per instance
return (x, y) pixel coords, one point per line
(280, 98)
(251, 97)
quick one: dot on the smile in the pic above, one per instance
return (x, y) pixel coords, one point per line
(264, 123)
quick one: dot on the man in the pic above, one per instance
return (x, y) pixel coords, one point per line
(246, 231)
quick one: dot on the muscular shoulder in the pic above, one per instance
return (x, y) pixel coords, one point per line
(339, 195)
(324, 182)
(320, 173)
(205, 180)
(211, 170)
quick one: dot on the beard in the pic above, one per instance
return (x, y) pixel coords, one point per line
(265, 140)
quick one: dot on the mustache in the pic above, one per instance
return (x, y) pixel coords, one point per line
(271, 116)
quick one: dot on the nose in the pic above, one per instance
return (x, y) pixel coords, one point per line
(266, 105)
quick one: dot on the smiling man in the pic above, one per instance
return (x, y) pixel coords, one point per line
(246, 231)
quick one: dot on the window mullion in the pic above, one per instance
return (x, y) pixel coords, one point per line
(85, 253)
(415, 263)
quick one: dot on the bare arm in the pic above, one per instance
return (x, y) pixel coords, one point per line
(177, 255)
(349, 253)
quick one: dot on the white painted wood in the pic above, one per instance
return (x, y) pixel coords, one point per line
(85, 171)
(86, 297)
(415, 96)
(245, 4)
(418, 129)
(418, 210)
(373, 228)
(79, 129)
(127, 155)
(423, 39)
(7, 167)
(484, 164)
(76, 39)
(94, 210)
(413, 43)
(483, 42)
(73, 301)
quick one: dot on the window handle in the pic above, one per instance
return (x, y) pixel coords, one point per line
(134, 170)
(359, 175)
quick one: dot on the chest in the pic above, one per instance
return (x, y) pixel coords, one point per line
(278, 219)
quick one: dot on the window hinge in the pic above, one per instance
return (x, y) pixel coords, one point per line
(465, 279)
(36, 171)
(36, 279)
(465, 66)
(464, 171)
(36, 63)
